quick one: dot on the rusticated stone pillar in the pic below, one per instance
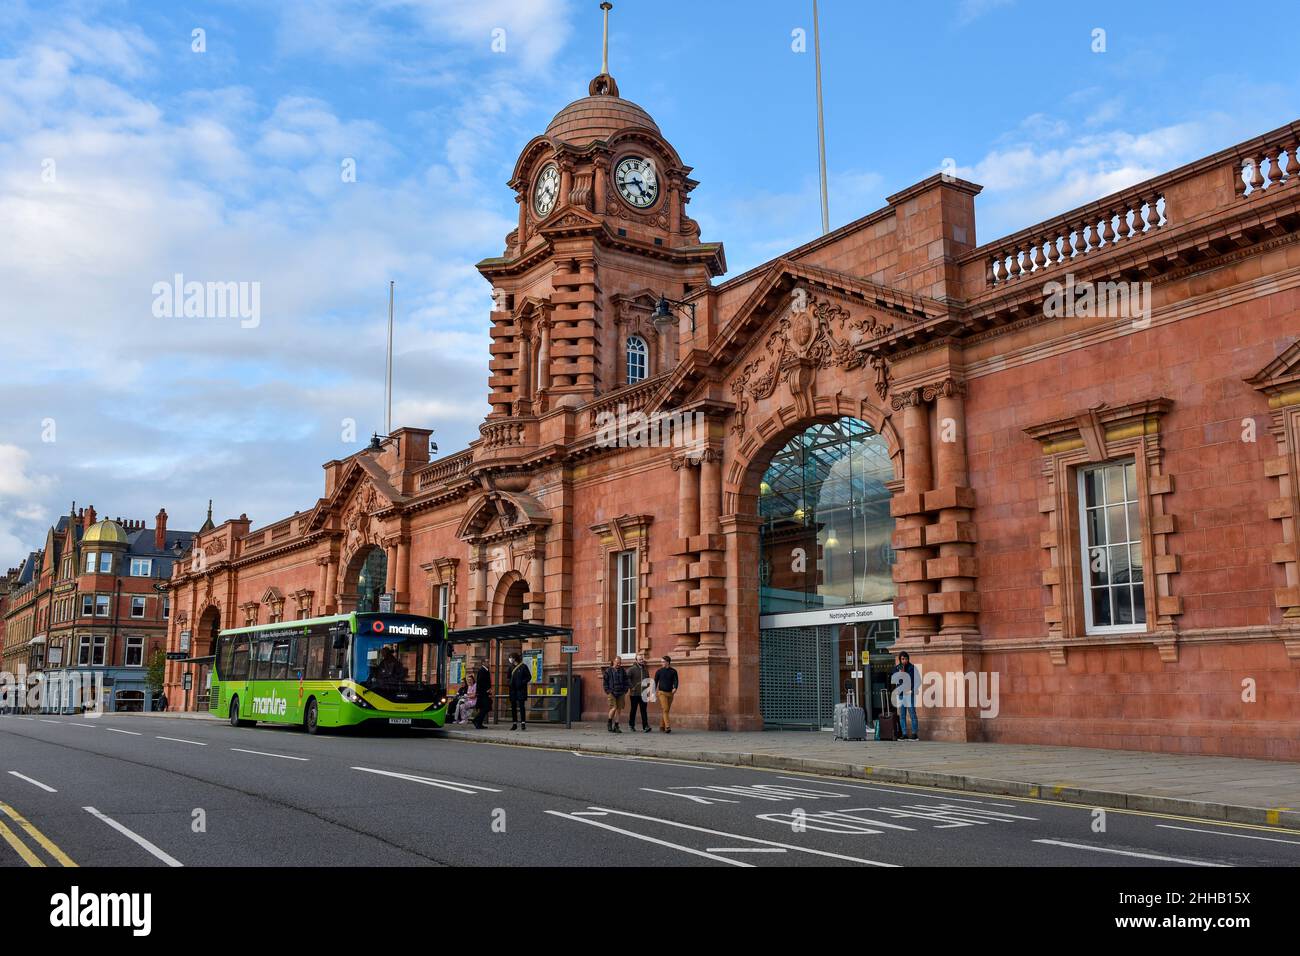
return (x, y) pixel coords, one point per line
(402, 580)
(710, 596)
(908, 509)
(688, 532)
(952, 501)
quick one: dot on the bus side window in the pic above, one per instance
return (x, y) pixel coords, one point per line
(298, 663)
(239, 658)
(261, 659)
(316, 657)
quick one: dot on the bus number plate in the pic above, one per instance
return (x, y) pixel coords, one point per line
(399, 720)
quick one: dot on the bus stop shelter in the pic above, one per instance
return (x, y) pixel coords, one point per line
(489, 638)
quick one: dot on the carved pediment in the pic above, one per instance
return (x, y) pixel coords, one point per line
(1280, 378)
(808, 333)
(499, 514)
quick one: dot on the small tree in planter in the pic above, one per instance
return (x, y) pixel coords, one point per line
(156, 672)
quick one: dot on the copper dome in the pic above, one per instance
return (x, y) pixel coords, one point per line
(598, 116)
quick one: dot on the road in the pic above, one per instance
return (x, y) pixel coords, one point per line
(158, 791)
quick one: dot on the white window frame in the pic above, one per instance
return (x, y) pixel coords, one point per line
(106, 562)
(626, 593)
(637, 353)
(88, 605)
(1134, 540)
(138, 601)
(145, 563)
(108, 605)
(83, 651)
(98, 650)
(135, 644)
(92, 561)
(167, 607)
(444, 601)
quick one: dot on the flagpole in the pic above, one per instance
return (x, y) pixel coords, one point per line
(388, 370)
(821, 125)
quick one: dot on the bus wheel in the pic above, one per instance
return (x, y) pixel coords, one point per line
(311, 719)
(234, 714)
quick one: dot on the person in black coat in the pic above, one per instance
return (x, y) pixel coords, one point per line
(520, 677)
(483, 691)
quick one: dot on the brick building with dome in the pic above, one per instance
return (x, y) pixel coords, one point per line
(887, 438)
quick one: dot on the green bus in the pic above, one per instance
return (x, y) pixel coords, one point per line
(336, 671)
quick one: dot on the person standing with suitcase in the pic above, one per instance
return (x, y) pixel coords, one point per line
(904, 678)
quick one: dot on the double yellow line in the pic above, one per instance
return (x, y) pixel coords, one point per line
(28, 855)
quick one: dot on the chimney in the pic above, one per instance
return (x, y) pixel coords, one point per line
(88, 518)
(160, 530)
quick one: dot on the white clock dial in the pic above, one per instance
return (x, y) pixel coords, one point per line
(637, 181)
(546, 190)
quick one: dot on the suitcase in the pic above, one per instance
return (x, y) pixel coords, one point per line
(887, 726)
(850, 719)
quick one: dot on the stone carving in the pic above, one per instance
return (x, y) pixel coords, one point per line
(803, 341)
(357, 521)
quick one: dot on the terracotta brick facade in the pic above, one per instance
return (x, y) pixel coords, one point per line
(990, 401)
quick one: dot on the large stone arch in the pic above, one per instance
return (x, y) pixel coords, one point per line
(753, 451)
(350, 570)
(743, 470)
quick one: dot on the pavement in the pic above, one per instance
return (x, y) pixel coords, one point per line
(1264, 792)
(168, 790)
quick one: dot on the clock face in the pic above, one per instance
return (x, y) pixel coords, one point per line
(637, 181)
(546, 190)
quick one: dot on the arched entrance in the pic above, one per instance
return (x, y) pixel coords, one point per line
(826, 589)
(202, 650)
(364, 580)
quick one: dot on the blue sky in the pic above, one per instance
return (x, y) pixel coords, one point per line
(127, 157)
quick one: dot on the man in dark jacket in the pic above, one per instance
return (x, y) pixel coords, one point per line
(904, 679)
(520, 678)
(616, 685)
(483, 691)
(666, 686)
(638, 680)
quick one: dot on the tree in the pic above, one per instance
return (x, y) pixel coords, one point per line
(157, 670)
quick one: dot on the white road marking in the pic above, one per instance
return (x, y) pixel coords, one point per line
(263, 753)
(649, 839)
(1239, 836)
(114, 730)
(135, 837)
(745, 849)
(901, 793)
(1142, 856)
(35, 783)
(47, 721)
(705, 800)
(25, 718)
(178, 740)
(644, 759)
(456, 785)
(747, 839)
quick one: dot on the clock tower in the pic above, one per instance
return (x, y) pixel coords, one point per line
(602, 235)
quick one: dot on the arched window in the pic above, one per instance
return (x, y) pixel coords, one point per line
(637, 359)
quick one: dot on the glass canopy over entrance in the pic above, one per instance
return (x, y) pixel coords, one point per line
(825, 544)
(826, 532)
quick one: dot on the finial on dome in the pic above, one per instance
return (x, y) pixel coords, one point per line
(603, 84)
